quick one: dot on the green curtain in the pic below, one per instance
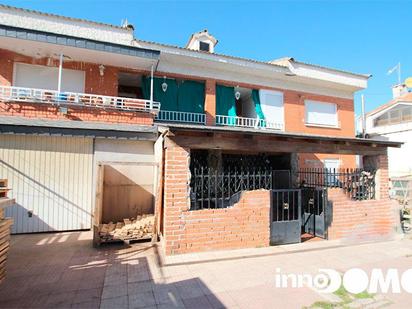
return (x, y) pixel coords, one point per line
(256, 101)
(168, 99)
(191, 97)
(226, 102)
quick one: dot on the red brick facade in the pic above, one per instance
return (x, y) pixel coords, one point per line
(246, 224)
(94, 84)
(210, 102)
(361, 220)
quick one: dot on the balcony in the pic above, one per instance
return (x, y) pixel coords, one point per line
(183, 117)
(42, 96)
(248, 122)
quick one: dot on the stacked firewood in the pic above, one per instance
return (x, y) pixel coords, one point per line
(5, 224)
(129, 229)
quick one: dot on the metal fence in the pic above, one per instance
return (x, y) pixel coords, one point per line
(359, 184)
(247, 122)
(186, 117)
(212, 189)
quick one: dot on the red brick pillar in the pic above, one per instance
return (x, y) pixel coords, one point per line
(176, 195)
(383, 176)
(380, 164)
(210, 102)
(6, 71)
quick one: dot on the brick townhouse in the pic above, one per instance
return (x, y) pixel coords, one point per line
(97, 126)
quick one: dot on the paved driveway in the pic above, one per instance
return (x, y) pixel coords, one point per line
(63, 270)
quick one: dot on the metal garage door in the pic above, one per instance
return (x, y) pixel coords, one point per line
(51, 180)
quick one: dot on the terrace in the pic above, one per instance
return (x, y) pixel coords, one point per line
(69, 99)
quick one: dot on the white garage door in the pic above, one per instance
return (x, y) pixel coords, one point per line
(42, 77)
(51, 180)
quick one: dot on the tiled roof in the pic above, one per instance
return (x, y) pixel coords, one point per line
(273, 62)
(60, 16)
(284, 60)
(207, 53)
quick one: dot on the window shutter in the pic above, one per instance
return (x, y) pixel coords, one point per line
(43, 77)
(271, 103)
(321, 113)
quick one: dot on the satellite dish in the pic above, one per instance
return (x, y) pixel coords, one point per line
(408, 82)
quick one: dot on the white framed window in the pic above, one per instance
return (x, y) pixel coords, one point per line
(321, 114)
(331, 163)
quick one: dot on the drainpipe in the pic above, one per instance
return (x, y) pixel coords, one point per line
(151, 88)
(59, 85)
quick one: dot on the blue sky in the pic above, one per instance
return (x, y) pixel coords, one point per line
(359, 36)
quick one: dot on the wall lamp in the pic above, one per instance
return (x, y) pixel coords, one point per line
(102, 68)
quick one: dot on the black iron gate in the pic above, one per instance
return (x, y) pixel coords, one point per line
(285, 216)
(315, 211)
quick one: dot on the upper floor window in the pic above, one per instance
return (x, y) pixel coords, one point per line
(44, 77)
(203, 46)
(400, 114)
(321, 113)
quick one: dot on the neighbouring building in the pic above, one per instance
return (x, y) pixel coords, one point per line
(97, 125)
(392, 121)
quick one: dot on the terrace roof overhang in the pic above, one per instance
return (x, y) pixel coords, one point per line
(40, 44)
(47, 127)
(265, 140)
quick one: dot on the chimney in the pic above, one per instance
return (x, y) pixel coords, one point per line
(202, 41)
(399, 90)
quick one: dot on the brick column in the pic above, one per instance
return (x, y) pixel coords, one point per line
(176, 195)
(6, 71)
(210, 102)
(383, 176)
(380, 164)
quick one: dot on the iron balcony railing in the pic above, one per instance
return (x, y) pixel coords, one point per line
(32, 95)
(247, 122)
(358, 184)
(174, 116)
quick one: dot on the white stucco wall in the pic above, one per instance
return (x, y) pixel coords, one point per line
(113, 150)
(400, 162)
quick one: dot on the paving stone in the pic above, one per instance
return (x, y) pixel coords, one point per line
(142, 286)
(111, 291)
(167, 295)
(200, 302)
(189, 289)
(87, 305)
(141, 300)
(88, 295)
(221, 300)
(115, 303)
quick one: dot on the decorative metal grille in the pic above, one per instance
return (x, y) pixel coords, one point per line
(211, 189)
(359, 184)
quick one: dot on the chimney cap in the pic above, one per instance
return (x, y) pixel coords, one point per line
(399, 90)
(202, 36)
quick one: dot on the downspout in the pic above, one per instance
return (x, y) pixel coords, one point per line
(59, 82)
(159, 212)
(151, 88)
(151, 82)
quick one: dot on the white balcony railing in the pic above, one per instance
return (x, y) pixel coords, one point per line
(31, 95)
(173, 116)
(247, 122)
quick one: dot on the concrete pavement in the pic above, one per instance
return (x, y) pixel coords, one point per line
(62, 270)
